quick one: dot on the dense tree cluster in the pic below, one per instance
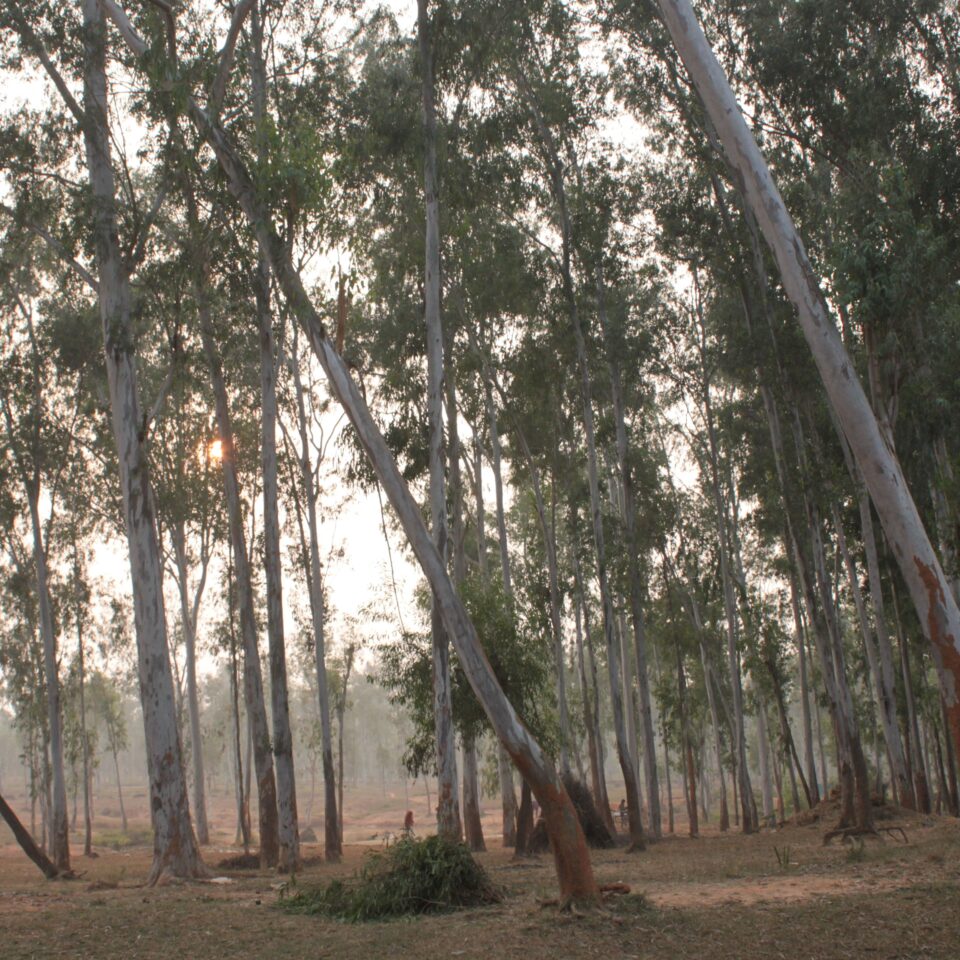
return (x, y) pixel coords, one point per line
(567, 271)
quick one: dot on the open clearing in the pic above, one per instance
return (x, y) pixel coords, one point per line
(715, 897)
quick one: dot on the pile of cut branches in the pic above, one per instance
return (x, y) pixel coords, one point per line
(409, 877)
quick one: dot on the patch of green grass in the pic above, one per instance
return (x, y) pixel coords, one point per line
(631, 905)
(118, 839)
(411, 877)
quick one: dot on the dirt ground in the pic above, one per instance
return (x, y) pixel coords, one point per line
(781, 893)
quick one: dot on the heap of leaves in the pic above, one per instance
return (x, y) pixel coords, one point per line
(410, 877)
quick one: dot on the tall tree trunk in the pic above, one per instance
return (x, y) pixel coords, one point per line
(448, 812)
(333, 850)
(763, 743)
(59, 822)
(886, 682)
(508, 798)
(921, 778)
(813, 794)
(730, 609)
(633, 560)
(614, 663)
(84, 737)
(252, 675)
(175, 849)
(473, 828)
(588, 718)
(886, 710)
(188, 620)
(286, 784)
(690, 794)
(243, 819)
(936, 605)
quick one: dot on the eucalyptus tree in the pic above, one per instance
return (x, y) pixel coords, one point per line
(561, 214)
(310, 442)
(448, 812)
(881, 470)
(39, 451)
(570, 854)
(288, 835)
(175, 848)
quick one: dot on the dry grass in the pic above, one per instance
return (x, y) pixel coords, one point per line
(716, 897)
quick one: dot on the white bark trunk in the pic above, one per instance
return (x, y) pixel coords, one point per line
(935, 603)
(252, 674)
(332, 840)
(175, 850)
(287, 828)
(188, 620)
(448, 812)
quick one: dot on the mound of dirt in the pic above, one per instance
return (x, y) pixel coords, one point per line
(309, 835)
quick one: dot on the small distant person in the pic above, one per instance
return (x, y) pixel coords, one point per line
(408, 825)
(622, 811)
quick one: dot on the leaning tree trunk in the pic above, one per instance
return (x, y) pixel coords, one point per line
(175, 849)
(448, 812)
(27, 843)
(571, 856)
(287, 828)
(936, 605)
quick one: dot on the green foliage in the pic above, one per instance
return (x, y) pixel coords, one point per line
(520, 662)
(411, 877)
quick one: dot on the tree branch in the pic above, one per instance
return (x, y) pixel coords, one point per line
(32, 40)
(219, 89)
(57, 246)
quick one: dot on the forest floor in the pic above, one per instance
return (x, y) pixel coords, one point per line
(780, 893)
